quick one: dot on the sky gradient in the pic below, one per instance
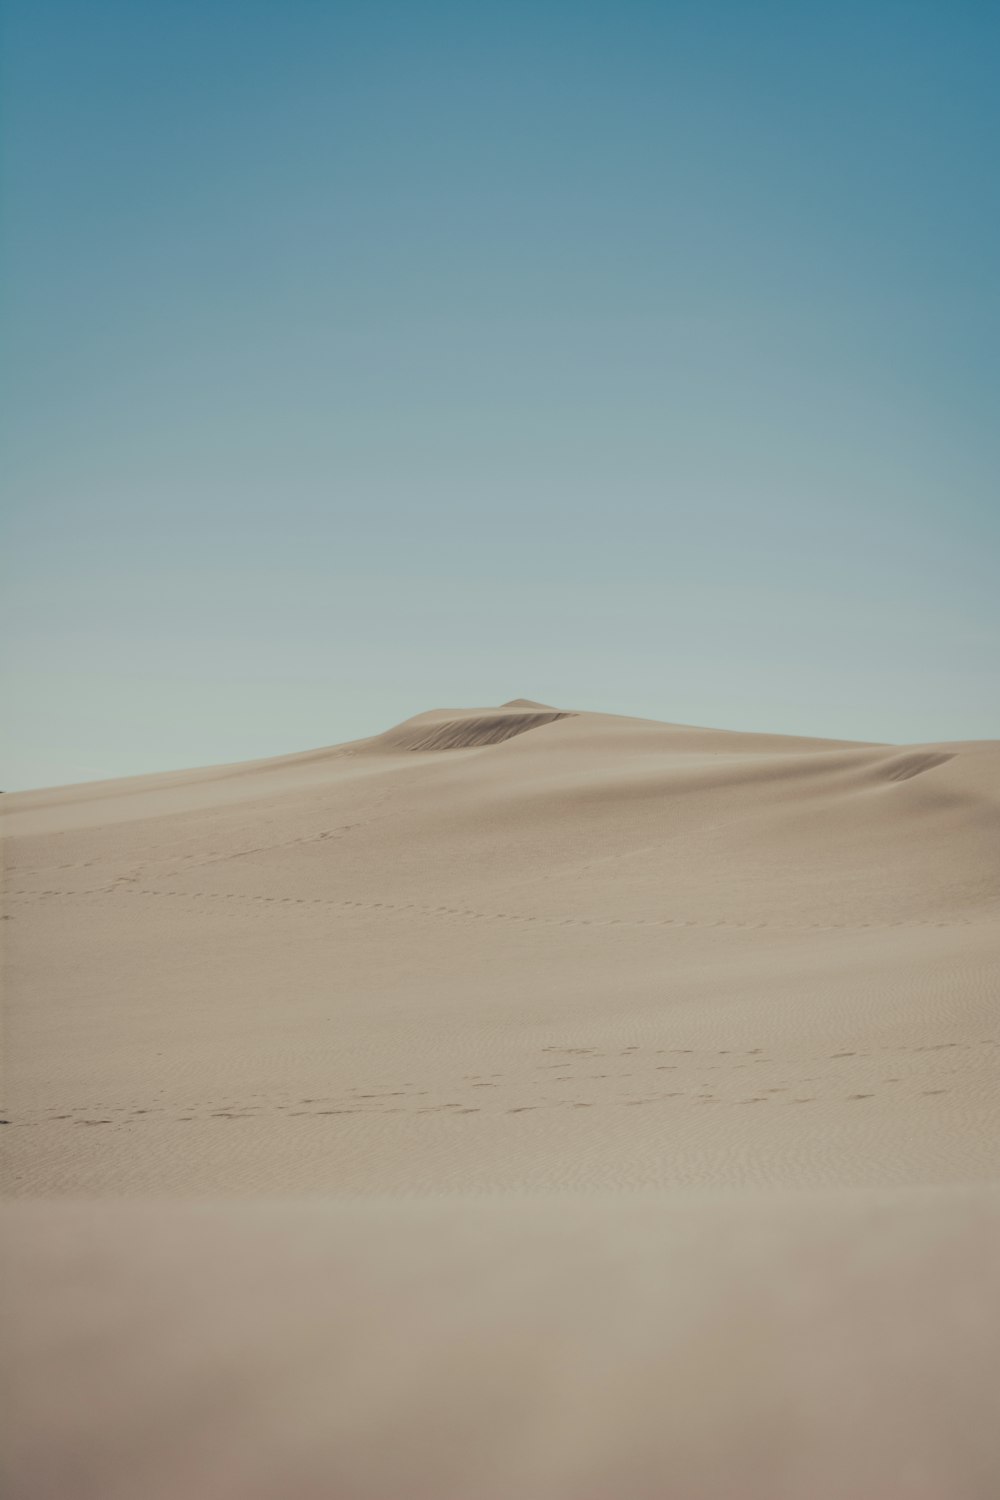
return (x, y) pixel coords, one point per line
(369, 358)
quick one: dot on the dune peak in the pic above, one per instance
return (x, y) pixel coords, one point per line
(468, 731)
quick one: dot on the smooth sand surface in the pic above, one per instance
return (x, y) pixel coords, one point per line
(688, 1037)
(831, 1347)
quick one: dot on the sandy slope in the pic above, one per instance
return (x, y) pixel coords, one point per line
(596, 953)
(648, 1076)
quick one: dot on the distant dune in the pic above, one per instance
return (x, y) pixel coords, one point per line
(656, 983)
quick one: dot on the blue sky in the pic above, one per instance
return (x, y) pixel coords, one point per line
(367, 358)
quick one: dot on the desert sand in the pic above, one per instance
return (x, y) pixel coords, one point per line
(641, 1078)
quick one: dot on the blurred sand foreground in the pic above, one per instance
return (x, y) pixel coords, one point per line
(642, 1080)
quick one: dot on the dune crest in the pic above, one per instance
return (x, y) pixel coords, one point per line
(441, 731)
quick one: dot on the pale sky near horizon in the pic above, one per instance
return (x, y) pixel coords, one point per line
(364, 358)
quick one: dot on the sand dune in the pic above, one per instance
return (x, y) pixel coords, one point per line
(509, 948)
(559, 957)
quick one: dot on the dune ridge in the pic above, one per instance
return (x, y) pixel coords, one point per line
(467, 731)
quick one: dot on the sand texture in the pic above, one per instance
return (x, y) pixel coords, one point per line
(644, 1076)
